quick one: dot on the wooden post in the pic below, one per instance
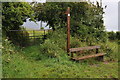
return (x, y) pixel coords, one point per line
(97, 51)
(68, 29)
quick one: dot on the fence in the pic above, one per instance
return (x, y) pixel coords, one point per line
(33, 35)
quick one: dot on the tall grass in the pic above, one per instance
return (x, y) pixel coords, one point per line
(50, 60)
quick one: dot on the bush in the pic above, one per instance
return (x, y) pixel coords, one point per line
(50, 49)
(8, 47)
(112, 35)
(118, 35)
(75, 42)
(55, 44)
(59, 37)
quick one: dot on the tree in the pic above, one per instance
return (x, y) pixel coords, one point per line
(86, 18)
(14, 14)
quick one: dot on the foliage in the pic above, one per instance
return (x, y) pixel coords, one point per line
(37, 62)
(86, 18)
(50, 49)
(49, 59)
(114, 36)
(42, 28)
(111, 50)
(58, 37)
(54, 45)
(22, 64)
(118, 35)
(75, 42)
(13, 15)
(8, 47)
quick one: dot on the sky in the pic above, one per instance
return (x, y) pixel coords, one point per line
(119, 17)
(110, 16)
(35, 26)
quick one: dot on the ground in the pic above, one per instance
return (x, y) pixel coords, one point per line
(25, 65)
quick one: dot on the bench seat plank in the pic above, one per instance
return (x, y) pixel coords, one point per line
(89, 56)
(83, 48)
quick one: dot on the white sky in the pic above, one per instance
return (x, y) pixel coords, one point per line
(111, 14)
(106, 0)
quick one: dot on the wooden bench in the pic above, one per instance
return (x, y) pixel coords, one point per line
(74, 50)
(89, 56)
(83, 48)
(71, 51)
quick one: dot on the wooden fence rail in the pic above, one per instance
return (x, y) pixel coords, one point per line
(33, 34)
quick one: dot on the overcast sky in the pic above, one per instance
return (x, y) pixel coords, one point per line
(110, 16)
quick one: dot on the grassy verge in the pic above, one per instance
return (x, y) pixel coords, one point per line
(25, 65)
(20, 67)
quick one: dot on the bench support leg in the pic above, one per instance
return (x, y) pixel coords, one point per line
(72, 55)
(100, 58)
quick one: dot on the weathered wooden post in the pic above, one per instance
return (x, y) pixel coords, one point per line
(68, 28)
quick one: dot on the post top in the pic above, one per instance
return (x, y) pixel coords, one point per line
(67, 11)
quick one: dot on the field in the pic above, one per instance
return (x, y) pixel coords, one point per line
(37, 32)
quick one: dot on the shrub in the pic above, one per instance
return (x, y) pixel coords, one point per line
(118, 35)
(75, 42)
(55, 44)
(50, 49)
(8, 47)
(58, 37)
(112, 35)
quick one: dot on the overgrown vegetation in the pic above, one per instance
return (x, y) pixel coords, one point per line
(86, 18)
(114, 35)
(49, 59)
(31, 62)
(13, 16)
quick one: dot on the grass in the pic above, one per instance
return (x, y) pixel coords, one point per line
(50, 60)
(25, 65)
